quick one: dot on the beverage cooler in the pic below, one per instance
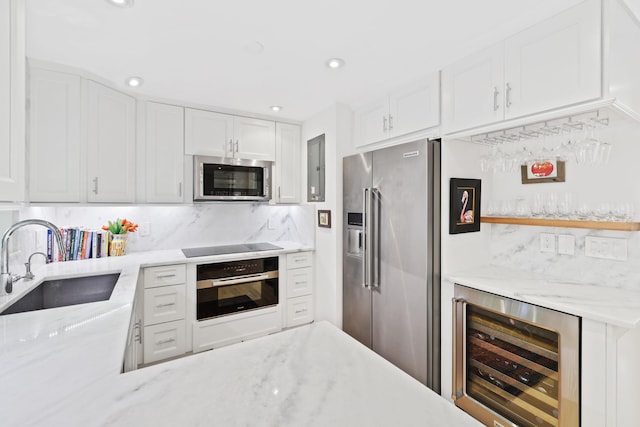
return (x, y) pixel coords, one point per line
(515, 364)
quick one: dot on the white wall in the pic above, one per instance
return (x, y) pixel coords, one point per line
(458, 251)
(335, 124)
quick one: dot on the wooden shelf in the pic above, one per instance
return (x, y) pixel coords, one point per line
(567, 223)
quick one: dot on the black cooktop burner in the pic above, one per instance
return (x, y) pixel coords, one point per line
(228, 249)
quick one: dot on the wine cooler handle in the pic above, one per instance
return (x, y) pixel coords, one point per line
(459, 324)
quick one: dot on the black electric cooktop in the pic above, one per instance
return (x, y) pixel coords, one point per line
(228, 249)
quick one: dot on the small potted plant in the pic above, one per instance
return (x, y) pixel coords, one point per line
(118, 232)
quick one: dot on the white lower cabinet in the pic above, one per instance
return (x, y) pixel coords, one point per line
(165, 332)
(164, 340)
(299, 305)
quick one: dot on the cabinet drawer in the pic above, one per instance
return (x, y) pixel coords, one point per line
(164, 275)
(234, 329)
(164, 340)
(299, 311)
(299, 282)
(299, 260)
(164, 304)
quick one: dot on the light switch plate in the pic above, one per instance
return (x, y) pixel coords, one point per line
(605, 248)
(548, 242)
(567, 244)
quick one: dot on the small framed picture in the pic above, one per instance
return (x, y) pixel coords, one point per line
(464, 205)
(324, 218)
(542, 171)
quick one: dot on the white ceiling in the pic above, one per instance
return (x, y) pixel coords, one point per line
(197, 50)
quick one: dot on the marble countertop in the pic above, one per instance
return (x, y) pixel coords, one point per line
(618, 307)
(62, 366)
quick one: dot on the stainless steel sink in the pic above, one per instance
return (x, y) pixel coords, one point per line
(63, 292)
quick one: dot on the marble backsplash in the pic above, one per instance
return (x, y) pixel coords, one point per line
(518, 247)
(172, 227)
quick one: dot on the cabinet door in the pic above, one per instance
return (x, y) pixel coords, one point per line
(111, 145)
(555, 63)
(208, 133)
(372, 122)
(472, 90)
(164, 340)
(254, 139)
(415, 107)
(164, 153)
(54, 136)
(287, 166)
(12, 109)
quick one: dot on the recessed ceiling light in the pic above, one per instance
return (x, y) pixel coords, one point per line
(275, 108)
(335, 63)
(121, 3)
(134, 81)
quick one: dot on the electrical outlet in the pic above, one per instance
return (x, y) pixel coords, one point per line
(144, 228)
(270, 224)
(547, 242)
(567, 244)
(605, 248)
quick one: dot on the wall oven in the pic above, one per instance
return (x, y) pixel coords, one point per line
(515, 364)
(221, 178)
(225, 288)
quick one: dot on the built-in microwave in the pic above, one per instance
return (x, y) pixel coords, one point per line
(222, 178)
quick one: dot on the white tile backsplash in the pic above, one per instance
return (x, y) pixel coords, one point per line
(518, 247)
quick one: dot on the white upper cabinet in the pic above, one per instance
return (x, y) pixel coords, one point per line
(287, 165)
(110, 145)
(472, 90)
(208, 133)
(224, 135)
(54, 136)
(555, 63)
(164, 153)
(12, 101)
(550, 65)
(409, 109)
(254, 139)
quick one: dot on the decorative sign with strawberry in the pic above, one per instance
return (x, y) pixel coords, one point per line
(541, 169)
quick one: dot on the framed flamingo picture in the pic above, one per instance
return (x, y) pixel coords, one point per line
(464, 205)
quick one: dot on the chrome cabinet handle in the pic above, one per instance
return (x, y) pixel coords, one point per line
(180, 189)
(164, 276)
(384, 123)
(390, 122)
(167, 341)
(167, 304)
(508, 94)
(231, 146)
(237, 143)
(95, 185)
(278, 192)
(496, 92)
(138, 336)
(301, 311)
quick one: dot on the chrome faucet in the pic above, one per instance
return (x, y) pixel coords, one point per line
(7, 279)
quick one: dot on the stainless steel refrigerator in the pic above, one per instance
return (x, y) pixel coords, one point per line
(391, 265)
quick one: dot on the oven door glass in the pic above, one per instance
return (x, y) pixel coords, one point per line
(225, 180)
(234, 298)
(512, 367)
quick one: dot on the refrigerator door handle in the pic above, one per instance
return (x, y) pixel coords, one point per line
(365, 238)
(374, 265)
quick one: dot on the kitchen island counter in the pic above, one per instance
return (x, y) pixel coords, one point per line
(62, 366)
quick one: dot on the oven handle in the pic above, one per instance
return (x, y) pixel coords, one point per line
(459, 309)
(235, 280)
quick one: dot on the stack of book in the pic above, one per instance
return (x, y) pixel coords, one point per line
(79, 243)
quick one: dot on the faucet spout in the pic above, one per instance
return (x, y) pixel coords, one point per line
(7, 279)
